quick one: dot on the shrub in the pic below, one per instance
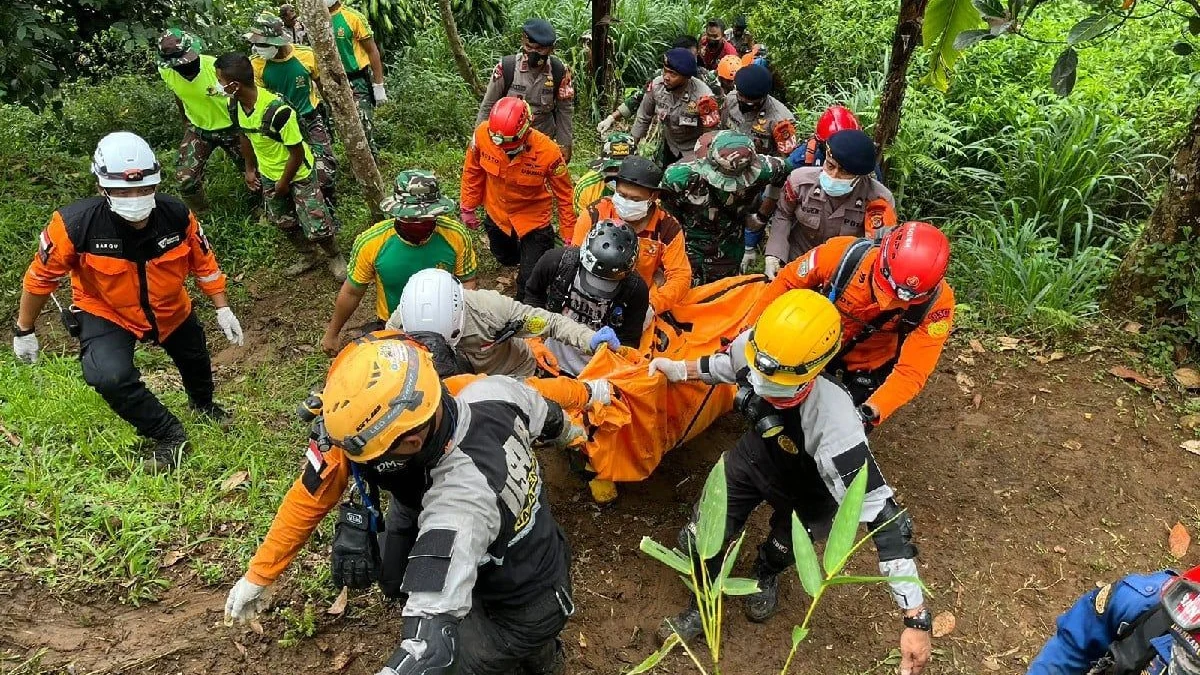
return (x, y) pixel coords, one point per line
(136, 103)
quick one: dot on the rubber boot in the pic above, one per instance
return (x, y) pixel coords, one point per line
(762, 605)
(309, 257)
(215, 414)
(336, 262)
(168, 450)
(687, 624)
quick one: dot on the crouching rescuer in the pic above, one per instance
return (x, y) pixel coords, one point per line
(804, 447)
(468, 536)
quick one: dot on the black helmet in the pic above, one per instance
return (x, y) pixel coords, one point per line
(640, 171)
(610, 250)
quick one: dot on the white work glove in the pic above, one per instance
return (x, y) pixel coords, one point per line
(748, 259)
(600, 391)
(771, 266)
(380, 93)
(243, 601)
(606, 124)
(675, 371)
(230, 325)
(570, 433)
(26, 347)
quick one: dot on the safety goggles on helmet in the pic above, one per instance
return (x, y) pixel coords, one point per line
(509, 142)
(905, 290)
(770, 366)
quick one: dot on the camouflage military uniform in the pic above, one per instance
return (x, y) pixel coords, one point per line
(303, 207)
(712, 197)
(773, 127)
(194, 151)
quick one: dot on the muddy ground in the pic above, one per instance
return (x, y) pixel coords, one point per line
(1029, 483)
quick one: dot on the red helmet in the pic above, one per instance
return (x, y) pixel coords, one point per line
(835, 118)
(509, 122)
(912, 260)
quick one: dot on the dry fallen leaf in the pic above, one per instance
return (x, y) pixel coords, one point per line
(341, 660)
(966, 359)
(238, 479)
(13, 439)
(1189, 421)
(582, 641)
(1008, 344)
(1134, 376)
(1192, 446)
(965, 382)
(1073, 445)
(943, 624)
(171, 558)
(1188, 378)
(976, 346)
(338, 607)
(976, 400)
(1094, 348)
(256, 626)
(991, 663)
(1060, 550)
(1057, 356)
(1179, 541)
(1132, 327)
(240, 647)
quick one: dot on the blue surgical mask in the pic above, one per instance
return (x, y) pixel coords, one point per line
(836, 187)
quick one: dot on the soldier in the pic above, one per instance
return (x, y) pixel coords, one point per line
(597, 183)
(715, 199)
(291, 71)
(682, 104)
(360, 57)
(539, 77)
(192, 77)
(752, 111)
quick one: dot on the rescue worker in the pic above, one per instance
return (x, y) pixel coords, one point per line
(360, 57)
(714, 45)
(192, 78)
(297, 34)
(802, 452)
(519, 177)
(469, 536)
(727, 69)
(421, 233)
(835, 118)
(628, 107)
(1144, 623)
(662, 258)
(291, 72)
(128, 253)
(599, 180)
(822, 202)
(487, 329)
(538, 77)
(751, 110)
(897, 310)
(280, 163)
(716, 199)
(592, 285)
(683, 106)
(741, 39)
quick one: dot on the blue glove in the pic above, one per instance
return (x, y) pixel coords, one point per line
(752, 239)
(605, 334)
(796, 159)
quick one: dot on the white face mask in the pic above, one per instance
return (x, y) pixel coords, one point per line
(768, 389)
(133, 209)
(630, 209)
(267, 53)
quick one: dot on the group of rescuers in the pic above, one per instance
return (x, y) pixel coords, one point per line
(440, 403)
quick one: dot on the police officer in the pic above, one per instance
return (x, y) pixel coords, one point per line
(128, 253)
(683, 106)
(803, 450)
(469, 534)
(628, 107)
(1143, 624)
(751, 110)
(827, 201)
(592, 284)
(540, 78)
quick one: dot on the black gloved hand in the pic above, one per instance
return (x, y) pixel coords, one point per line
(869, 417)
(355, 561)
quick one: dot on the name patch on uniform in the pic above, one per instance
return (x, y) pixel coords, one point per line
(106, 245)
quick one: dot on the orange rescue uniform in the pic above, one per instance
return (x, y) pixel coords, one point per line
(517, 193)
(914, 360)
(662, 254)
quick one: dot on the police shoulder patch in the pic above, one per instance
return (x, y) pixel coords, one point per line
(1102, 597)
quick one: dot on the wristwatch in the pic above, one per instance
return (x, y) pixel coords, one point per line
(922, 621)
(21, 332)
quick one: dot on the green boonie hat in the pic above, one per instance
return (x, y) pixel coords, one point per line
(177, 48)
(617, 146)
(731, 164)
(268, 30)
(417, 195)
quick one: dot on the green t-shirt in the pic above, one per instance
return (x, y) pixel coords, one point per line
(350, 29)
(203, 107)
(272, 155)
(292, 78)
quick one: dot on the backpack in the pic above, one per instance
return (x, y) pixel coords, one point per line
(560, 289)
(1131, 651)
(274, 118)
(508, 66)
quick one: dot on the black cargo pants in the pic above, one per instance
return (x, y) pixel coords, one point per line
(525, 252)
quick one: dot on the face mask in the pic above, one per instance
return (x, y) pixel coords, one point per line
(223, 90)
(267, 53)
(771, 390)
(132, 209)
(536, 59)
(836, 187)
(749, 107)
(630, 209)
(416, 232)
(189, 70)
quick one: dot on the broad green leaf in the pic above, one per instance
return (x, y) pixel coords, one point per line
(968, 38)
(1062, 76)
(710, 528)
(687, 581)
(731, 556)
(1182, 49)
(665, 555)
(993, 8)
(646, 666)
(1087, 29)
(1194, 25)
(844, 579)
(944, 20)
(845, 523)
(807, 567)
(740, 586)
(798, 635)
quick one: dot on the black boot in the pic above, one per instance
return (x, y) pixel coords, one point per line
(762, 605)
(687, 624)
(214, 413)
(168, 450)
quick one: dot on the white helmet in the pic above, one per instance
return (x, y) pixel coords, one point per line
(124, 159)
(432, 301)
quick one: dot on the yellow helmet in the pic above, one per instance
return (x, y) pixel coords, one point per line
(796, 336)
(379, 388)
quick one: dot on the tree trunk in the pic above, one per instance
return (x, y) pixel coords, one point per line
(905, 41)
(336, 88)
(457, 49)
(1178, 207)
(599, 59)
